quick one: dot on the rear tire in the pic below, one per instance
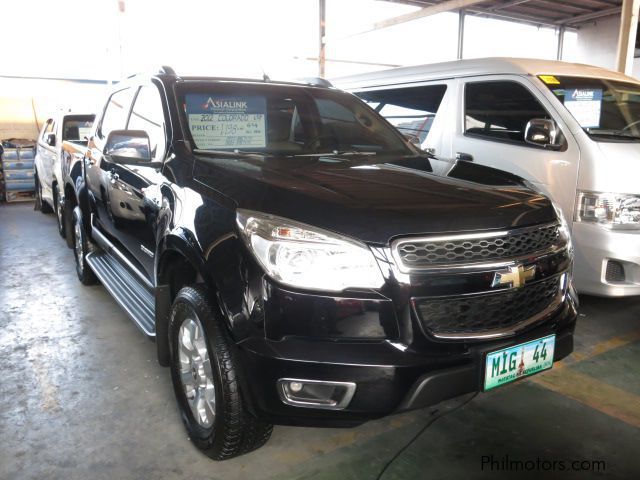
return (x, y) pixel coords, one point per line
(82, 248)
(41, 205)
(204, 371)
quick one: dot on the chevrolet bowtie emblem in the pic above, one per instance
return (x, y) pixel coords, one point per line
(514, 277)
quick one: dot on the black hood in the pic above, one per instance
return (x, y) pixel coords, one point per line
(374, 199)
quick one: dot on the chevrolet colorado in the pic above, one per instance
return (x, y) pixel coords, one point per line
(297, 261)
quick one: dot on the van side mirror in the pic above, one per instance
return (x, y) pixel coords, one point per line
(50, 139)
(128, 147)
(543, 133)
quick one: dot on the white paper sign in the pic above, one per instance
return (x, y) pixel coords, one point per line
(585, 105)
(222, 121)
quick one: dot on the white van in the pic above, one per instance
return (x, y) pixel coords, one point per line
(572, 130)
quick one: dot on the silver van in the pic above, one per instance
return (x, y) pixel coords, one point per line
(572, 130)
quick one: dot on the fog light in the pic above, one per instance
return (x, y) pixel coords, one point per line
(295, 387)
(316, 393)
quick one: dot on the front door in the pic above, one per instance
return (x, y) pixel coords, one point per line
(490, 131)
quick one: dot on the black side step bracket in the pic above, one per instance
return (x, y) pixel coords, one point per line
(128, 290)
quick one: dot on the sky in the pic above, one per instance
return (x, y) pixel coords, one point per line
(93, 39)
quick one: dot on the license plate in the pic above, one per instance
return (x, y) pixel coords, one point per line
(509, 364)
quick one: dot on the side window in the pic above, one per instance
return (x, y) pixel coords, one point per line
(411, 110)
(115, 114)
(147, 115)
(500, 110)
(47, 128)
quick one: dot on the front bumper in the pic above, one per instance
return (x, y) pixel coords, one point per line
(595, 246)
(389, 377)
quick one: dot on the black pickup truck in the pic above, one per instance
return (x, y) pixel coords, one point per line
(298, 262)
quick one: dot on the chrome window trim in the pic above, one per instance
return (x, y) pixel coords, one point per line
(453, 267)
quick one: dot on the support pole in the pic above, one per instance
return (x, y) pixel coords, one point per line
(560, 42)
(627, 36)
(461, 15)
(321, 30)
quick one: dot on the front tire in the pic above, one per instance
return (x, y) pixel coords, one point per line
(205, 373)
(80, 251)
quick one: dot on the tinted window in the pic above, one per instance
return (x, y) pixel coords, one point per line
(500, 110)
(282, 120)
(115, 114)
(147, 115)
(48, 128)
(77, 128)
(412, 110)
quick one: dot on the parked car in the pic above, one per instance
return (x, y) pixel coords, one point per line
(299, 262)
(58, 141)
(572, 130)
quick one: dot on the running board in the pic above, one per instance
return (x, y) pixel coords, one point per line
(132, 295)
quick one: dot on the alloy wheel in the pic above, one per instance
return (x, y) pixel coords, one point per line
(196, 374)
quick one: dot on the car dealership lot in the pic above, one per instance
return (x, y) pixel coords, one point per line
(82, 396)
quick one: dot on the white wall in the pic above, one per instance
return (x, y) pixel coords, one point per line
(26, 103)
(597, 44)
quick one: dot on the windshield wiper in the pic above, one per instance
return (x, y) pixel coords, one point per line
(612, 133)
(334, 153)
(231, 153)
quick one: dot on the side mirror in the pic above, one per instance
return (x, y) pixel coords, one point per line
(128, 147)
(50, 139)
(542, 132)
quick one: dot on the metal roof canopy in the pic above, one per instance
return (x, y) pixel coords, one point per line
(546, 13)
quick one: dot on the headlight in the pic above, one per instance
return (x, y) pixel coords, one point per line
(308, 257)
(612, 210)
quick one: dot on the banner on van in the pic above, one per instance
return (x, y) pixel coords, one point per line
(585, 105)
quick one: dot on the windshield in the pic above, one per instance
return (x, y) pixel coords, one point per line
(608, 110)
(284, 120)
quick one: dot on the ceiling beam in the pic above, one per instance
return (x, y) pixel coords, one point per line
(512, 3)
(425, 12)
(575, 19)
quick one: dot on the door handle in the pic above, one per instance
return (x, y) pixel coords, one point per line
(465, 157)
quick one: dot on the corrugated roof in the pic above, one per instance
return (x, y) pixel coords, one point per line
(551, 13)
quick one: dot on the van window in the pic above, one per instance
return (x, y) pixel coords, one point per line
(411, 110)
(116, 112)
(500, 110)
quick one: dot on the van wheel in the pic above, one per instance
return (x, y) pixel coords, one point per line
(59, 211)
(204, 371)
(41, 205)
(80, 251)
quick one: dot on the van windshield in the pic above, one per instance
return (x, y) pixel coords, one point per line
(284, 120)
(608, 110)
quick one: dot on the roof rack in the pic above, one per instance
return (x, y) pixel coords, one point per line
(316, 82)
(164, 69)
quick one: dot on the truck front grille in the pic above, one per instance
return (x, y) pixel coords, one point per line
(425, 252)
(480, 314)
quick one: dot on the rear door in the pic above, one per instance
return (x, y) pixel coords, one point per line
(492, 114)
